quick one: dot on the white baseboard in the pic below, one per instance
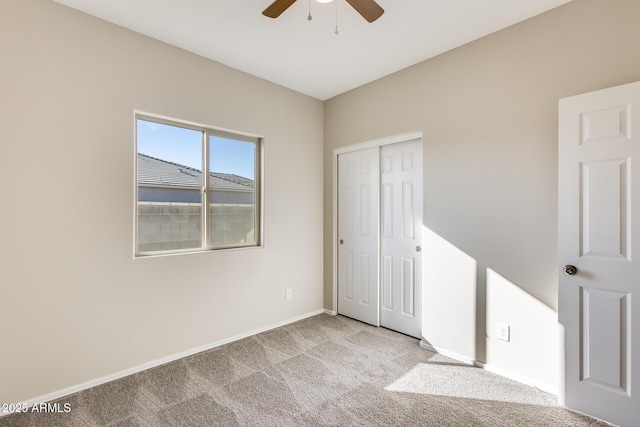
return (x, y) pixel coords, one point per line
(547, 388)
(494, 369)
(330, 312)
(154, 363)
(445, 352)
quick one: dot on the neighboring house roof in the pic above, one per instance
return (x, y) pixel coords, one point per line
(153, 171)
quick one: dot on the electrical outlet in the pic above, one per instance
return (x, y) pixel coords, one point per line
(288, 294)
(503, 332)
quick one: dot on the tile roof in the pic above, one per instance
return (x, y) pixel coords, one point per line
(153, 171)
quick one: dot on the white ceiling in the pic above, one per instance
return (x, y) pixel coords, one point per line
(307, 56)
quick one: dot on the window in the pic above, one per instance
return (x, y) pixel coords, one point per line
(172, 190)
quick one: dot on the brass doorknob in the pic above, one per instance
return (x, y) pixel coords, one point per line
(570, 270)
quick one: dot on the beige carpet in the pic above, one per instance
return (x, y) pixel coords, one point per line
(326, 370)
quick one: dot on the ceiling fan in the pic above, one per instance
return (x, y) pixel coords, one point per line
(369, 9)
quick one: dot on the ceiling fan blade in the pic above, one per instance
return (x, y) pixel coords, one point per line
(276, 8)
(369, 9)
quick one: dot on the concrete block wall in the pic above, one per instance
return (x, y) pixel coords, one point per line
(171, 226)
(232, 223)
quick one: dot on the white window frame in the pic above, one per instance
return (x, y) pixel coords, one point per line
(205, 185)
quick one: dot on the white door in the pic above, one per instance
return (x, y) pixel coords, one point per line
(380, 236)
(599, 235)
(358, 225)
(401, 194)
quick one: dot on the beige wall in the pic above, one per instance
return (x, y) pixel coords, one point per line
(75, 307)
(488, 111)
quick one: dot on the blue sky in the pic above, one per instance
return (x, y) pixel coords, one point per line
(184, 146)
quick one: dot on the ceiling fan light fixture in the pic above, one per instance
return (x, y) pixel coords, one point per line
(368, 9)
